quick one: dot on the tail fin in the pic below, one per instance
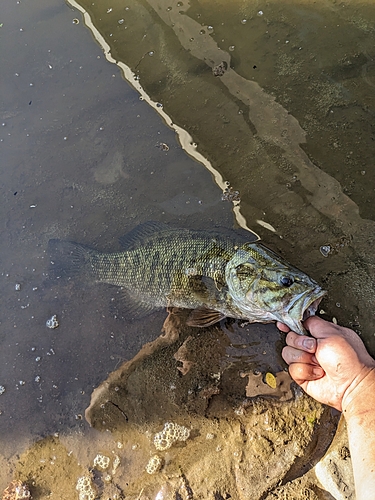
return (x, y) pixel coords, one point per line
(68, 259)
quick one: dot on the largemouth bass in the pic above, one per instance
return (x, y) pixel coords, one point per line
(215, 275)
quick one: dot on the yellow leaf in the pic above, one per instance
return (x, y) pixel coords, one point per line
(270, 380)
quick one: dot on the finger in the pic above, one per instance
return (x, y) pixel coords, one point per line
(282, 327)
(345, 338)
(301, 342)
(293, 355)
(321, 328)
(302, 372)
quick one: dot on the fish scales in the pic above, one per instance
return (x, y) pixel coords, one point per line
(168, 263)
(216, 275)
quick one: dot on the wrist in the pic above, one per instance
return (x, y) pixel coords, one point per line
(359, 398)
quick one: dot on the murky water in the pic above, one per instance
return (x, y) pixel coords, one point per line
(279, 100)
(285, 120)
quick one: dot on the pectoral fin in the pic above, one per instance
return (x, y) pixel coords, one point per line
(204, 317)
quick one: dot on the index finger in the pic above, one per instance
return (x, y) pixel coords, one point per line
(282, 327)
(301, 342)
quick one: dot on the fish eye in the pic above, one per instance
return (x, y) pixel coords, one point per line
(286, 281)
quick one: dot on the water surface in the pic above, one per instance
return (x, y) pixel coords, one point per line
(287, 121)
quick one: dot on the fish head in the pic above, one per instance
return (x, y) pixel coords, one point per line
(266, 288)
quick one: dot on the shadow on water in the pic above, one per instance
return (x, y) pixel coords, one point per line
(287, 122)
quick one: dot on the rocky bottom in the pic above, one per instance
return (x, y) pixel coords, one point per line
(179, 429)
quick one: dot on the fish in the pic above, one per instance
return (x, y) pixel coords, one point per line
(215, 274)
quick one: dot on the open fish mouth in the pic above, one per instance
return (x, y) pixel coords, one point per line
(302, 309)
(312, 308)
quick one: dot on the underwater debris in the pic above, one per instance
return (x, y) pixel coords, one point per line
(270, 380)
(169, 435)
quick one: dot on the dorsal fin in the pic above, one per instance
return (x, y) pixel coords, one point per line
(133, 239)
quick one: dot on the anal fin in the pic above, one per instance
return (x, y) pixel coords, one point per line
(129, 306)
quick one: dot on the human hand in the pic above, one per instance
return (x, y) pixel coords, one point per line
(331, 366)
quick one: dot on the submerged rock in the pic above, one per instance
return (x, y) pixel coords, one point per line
(263, 433)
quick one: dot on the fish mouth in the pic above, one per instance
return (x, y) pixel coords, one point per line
(311, 309)
(303, 308)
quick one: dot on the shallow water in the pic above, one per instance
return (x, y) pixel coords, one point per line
(289, 125)
(81, 161)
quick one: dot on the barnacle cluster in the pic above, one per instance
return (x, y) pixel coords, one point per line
(85, 488)
(154, 464)
(101, 461)
(171, 433)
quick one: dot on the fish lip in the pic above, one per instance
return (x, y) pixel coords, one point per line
(311, 308)
(303, 308)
